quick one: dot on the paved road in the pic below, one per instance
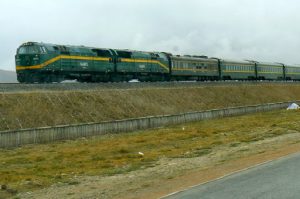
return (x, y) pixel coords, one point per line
(279, 179)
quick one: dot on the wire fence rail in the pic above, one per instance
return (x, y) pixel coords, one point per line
(11, 139)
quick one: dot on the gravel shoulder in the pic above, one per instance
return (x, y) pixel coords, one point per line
(174, 174)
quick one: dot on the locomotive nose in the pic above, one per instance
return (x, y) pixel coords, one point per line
(27, 60)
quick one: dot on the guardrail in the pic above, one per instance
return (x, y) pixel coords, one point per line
(10, 139)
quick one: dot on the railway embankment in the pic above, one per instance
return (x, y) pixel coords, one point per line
(41, 108)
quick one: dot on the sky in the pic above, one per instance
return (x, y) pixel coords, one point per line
(262, 30)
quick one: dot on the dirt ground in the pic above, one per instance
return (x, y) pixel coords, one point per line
(175, 174)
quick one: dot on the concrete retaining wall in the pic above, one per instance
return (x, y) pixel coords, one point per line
(10, 139)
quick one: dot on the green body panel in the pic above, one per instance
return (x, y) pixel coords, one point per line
(269, 71)
(194, 67)
(292, 72)
(143, 62)
(237, 70)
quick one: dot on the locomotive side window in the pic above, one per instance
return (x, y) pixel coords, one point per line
(102, 53)
(63, 50)
(124, 54)
(43, 49)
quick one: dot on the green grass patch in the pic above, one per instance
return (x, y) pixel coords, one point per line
(37, 166)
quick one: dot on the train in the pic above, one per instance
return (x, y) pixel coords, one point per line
(38, 62)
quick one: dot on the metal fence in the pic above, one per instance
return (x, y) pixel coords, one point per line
(10, 139)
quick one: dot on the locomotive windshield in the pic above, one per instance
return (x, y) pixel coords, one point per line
(29, 50)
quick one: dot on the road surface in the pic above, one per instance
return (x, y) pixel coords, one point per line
(279, 179)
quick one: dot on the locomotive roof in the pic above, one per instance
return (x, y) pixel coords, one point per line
(87, 47)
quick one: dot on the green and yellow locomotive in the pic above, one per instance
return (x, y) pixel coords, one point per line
(47, 63)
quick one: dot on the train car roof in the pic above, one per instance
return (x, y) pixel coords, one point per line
(269, 63)
(236, 61)
(192, 58)
(292, 65)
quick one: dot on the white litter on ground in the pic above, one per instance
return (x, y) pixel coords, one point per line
(293, 106)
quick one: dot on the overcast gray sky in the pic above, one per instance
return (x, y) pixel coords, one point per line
(264, 30)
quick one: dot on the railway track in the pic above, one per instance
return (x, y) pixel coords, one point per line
(16, 87)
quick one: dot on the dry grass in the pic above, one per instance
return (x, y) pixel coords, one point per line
(29, 110)
(35, 167)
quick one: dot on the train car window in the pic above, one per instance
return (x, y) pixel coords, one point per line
(102, 53)
(124, 54)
